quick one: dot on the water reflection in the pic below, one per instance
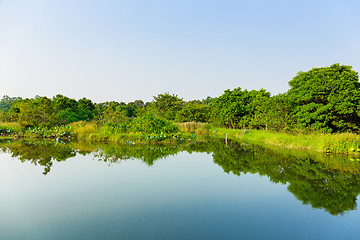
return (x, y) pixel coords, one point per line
(38, 152)
(324, 181)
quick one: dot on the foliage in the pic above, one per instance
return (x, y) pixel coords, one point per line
(86, 105)
(83, 130)
(5, 114)
(129, 129)
(58, 133)
(326, 99)
(6, 101)
(9, 129)
(137, 104)
(275, 113)
(67, 110)
(115, 112)
(151, 124)
(194, 111)
(321, 100)
(341, 143)
(237, 108)
(44, 112)
(33, 112)
(167, 105)
(208, 100)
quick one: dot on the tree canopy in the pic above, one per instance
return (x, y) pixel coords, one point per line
(237, 108)
(326, 99)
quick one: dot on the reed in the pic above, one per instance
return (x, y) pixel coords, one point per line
(194, 127)
(84, 130)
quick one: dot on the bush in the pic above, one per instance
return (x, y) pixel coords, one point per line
(151, 124)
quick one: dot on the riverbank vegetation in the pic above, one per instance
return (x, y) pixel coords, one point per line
(320, 111)
(342, 143)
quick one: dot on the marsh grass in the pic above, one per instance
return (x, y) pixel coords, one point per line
(342, 143)
(194, 127)
(10, 128)
(84, 130)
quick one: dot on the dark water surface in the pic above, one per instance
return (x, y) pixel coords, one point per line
(205, 190)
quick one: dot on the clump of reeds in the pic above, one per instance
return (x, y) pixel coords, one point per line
(83, 130)
(195, 127)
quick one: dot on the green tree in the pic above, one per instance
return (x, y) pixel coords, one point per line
(167, 105)
(86, 104)
(114, 112)
(137, 104)
(194, 111)
(276, 113)
(31, 112)
(5, 114)
(61, 102)
(326, 99)
(6, 101)
(69, 110)
(86, 109)
(237, 108)
(208, 100)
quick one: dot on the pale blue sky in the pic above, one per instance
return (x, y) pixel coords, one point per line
(127, 50)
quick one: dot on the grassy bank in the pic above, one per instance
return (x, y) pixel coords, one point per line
(342, 143)
(142, 130)
(152, 130)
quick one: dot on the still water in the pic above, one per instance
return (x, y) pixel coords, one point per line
(206, 190)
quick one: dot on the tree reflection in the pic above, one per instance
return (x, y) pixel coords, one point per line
(323, 181)
(333, 186)
(38, 153)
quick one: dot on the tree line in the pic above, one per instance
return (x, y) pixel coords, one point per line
(323, 99)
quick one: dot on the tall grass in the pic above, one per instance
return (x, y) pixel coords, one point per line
(343, 143)
(84, 130)
(194, 127)
(10, 128)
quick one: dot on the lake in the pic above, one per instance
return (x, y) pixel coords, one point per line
(204, 190)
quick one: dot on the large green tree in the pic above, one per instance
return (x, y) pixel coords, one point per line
(194, 111)
(237, 108)
(69, 110)
(35, 111)
(275, 113)
(6, 101)
(167, 105)
(327, 98)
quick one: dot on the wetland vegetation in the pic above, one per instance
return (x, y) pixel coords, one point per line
(231, 162)
(320, 112)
